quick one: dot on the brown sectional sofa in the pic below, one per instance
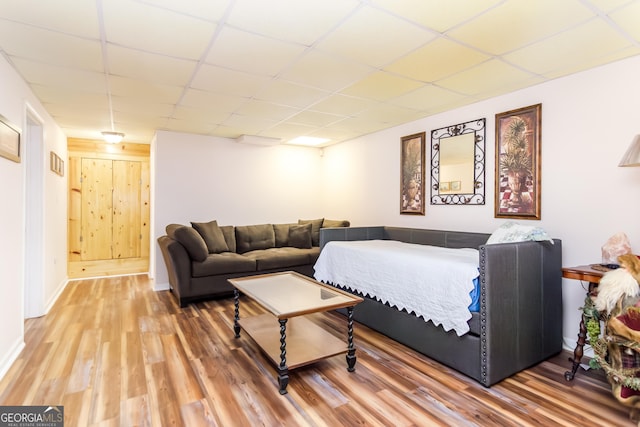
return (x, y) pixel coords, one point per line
(201, 257)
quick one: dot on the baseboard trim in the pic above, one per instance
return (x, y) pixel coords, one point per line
(11, 356)
(162, 286)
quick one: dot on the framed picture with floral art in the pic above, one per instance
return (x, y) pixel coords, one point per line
(412, 173)
(518, 163)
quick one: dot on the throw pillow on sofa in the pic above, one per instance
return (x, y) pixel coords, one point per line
(327, 223)
(212, 235)
(281, 232)
(192, 242)
(254, 237)
(315, 229)
(300, 236)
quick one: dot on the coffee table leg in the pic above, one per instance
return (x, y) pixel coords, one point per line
(236, 317)
(351, 350)
(283, 370)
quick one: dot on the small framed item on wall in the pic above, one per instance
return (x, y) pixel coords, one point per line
(57, 164)
(412, 171)
(518, 163)
(9, 140)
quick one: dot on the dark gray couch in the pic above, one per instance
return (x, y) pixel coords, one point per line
(520, 318)
(201, 257)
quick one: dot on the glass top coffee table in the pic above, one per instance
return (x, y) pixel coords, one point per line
(288, 296)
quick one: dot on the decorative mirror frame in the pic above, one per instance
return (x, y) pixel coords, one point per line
(477, 127)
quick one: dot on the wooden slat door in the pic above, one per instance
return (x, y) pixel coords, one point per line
(126, 209)
(96, 211)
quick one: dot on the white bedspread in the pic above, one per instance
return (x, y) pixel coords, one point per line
(431, 281)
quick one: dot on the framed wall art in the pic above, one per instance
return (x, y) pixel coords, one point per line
(9, 140)
(56, 163)
(518, 163)
(412, 174)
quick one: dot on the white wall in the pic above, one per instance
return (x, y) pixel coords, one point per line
(588, 120)
(15, 100)
(200, 178)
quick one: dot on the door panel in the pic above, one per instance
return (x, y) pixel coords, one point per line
(97, 206)
(126, 209)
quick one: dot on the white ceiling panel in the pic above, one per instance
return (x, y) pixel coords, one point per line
(142, 65)
(50, 47)
(285, 68)
(326, 72)
(436, 60)
(360, 38)
(141, 26)
(381, 86)
(252, 53)
(302, 22)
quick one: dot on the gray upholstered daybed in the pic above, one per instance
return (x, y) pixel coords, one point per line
(519, 322)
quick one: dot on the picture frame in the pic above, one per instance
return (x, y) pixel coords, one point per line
(412, 174)
(9, 140)
(518, 152)
(56, 163)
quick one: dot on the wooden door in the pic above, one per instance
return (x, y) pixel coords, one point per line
(108, 209)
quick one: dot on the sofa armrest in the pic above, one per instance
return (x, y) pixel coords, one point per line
(178, 264)
(520, 306)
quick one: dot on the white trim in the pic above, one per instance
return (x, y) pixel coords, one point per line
(162, 286)
(12, 356)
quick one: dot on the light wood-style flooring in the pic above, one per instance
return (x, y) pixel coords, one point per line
(116, 353)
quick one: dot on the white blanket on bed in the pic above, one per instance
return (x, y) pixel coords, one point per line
(431, 281)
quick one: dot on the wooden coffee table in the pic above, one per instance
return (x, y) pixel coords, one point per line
(287, 297)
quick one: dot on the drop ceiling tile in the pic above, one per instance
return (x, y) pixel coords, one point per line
(290, 94)
(362, 126)
(213, 101)
(434, 14)
(63, 77)
(93, 112)
(251, 125)
(315, 118)
(326, 72)
(436, 60)
(75, 98)
(141, 106)
(594, 62)
(580, 45)
(202, 9)
(427, 98)
(136, 88)
(189, 126)
(199, 115)
(341, 105)
(266, 109)
(50, 47)
(293, 20)
(608, 5)
(334, 135)
(252, 53)
(79, 18)
(390, 114)
(359, 38)
(123, 120)
(140, 26)
(488, 76)
(628, 18)
(381, 86)
(142, 65)
(287, 130)
(220, 80)
(516, 23)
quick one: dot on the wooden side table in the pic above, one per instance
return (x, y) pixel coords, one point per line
(588, 274)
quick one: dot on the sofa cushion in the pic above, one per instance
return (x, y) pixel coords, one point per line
(272, 258)
(254, 237)
(223, 263)
(229, 233)
(300, 236)
(192, 242)
(212, 235)
(326, 223)
(316, 224)
(281, 232)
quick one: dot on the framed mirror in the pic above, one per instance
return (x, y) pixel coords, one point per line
(458, 164)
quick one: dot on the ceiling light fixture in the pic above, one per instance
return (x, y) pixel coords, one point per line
(310, 141)
(632, 156)
(112, 137)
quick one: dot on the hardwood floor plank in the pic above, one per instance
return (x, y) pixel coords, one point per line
(114, 352)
